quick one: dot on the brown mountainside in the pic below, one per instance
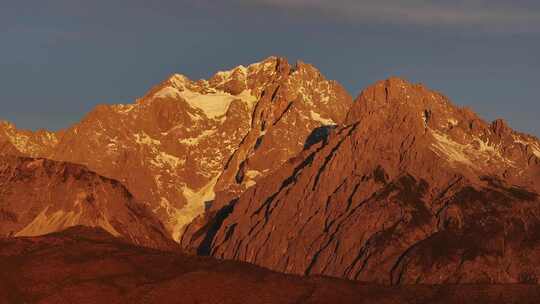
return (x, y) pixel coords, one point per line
(24, 142)
(412, 190)
(39, 196)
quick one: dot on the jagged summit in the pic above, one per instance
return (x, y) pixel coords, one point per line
(412, 190)
(221, 77)
(16, 141)
(455, 134)
(184, 140)
(236, 80)
(397, 95)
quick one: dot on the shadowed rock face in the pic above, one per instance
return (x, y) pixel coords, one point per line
(185, 140)
(412, 190)
(39, 196)
(86, 265)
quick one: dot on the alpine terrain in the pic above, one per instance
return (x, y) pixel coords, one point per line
(412, 189)
(398, 194)
(185, 140)
(39, 196)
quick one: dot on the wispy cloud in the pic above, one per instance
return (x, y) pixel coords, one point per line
(509, 15)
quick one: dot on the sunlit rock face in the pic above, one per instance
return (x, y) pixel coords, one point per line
(39, 196)
(24, 142)
(411, 190)
(185, 140)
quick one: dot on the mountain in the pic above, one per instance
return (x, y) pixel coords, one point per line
(185, 140)
(274, 165)
(24, 142)
(412, 190)
(39, 196)
(88, 265)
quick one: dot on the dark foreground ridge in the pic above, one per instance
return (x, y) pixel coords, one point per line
(88, 265)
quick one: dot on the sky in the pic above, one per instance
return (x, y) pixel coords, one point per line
(60, 58)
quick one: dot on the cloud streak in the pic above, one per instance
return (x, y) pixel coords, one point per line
(517, 15)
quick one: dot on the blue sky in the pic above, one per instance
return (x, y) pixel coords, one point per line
(60, 58)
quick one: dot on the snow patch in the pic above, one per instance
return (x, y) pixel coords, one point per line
(324, 121)
(167, 92)
(144, 139)
(250, 183)
(179, 80)
(157, 179)
(20, 141)
(193, 141)
(195, 205)
(123, 109)
(424, 118)
(251, 176)
(536, 151)
(468, 154)
(453, 122)
(263, 66)
(163, 159)
(535, 146)
(225, 76)
(325, 99)
(454, 151)
(171, 211)
(213, 104)
(486, 147)
(492, 150)
(59, 220)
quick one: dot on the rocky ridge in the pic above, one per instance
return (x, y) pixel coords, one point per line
(85, 265)
(411, 190)
(185, 140)
(39, 196)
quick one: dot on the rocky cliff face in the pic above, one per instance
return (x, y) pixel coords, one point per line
(185, 140)
(412, 190)
(39, 196)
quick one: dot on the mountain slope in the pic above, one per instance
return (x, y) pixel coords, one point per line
(39, 196)
(84, 265)
(412, 190)
(185, 140)
(24, 142)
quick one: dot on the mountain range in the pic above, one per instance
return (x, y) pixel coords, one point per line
(185, 140)
(274, 165)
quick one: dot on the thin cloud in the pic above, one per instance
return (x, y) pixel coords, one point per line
(497, 15)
